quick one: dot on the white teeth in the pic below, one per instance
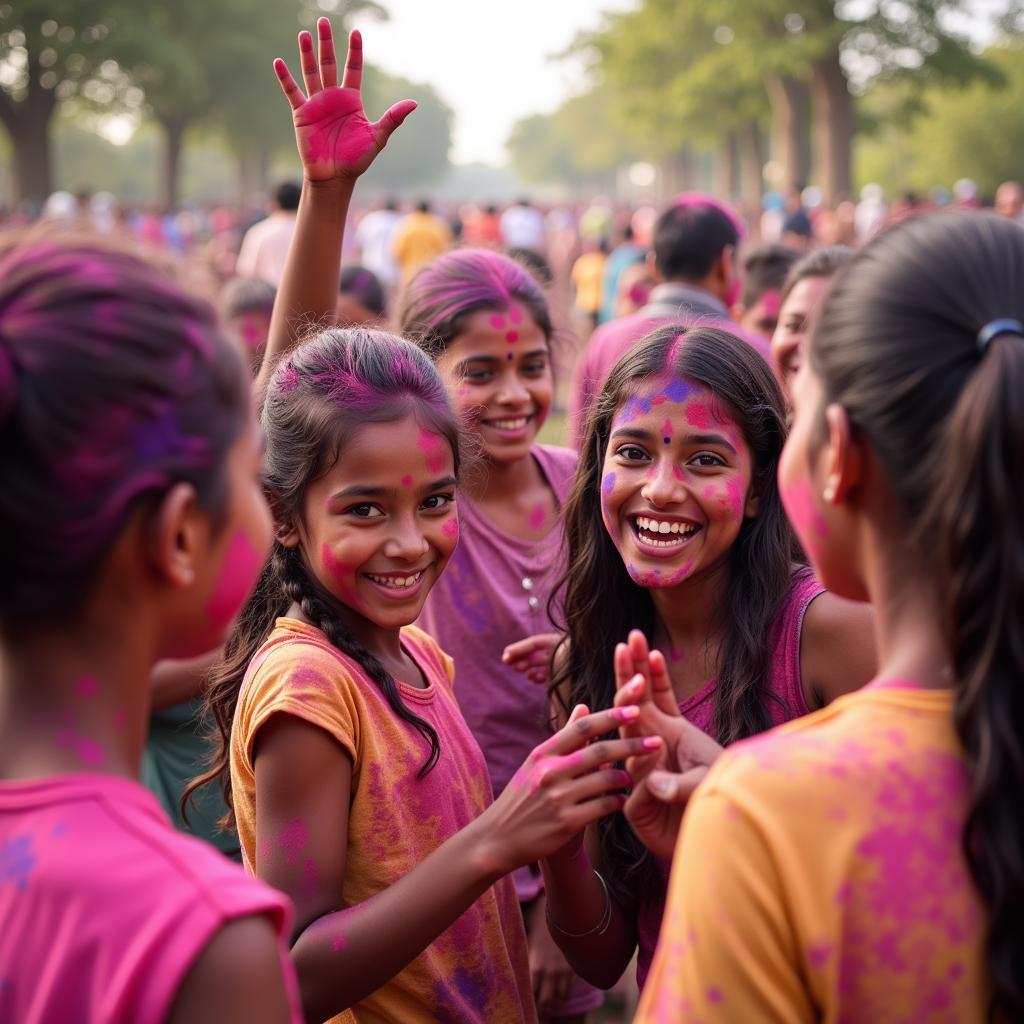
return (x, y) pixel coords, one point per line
(681, 531)
(396, 582)
(516, 424)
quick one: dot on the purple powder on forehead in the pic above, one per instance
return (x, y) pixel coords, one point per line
(678, 390)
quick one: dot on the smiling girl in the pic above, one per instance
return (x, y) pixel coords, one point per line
(676, 529)
(485, 322)
(357, 788)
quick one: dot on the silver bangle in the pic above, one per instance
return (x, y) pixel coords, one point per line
(600, 928)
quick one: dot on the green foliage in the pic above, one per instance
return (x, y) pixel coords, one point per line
(975, 131)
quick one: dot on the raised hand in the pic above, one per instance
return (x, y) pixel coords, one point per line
(335, 139)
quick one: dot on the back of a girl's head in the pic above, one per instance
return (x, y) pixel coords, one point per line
(364, 286)
(330, 386)
(243, 295)
(114, 385)
(898, 347)
(459, 283)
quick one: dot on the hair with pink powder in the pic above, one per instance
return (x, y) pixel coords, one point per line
(462, 282)
(114, 386)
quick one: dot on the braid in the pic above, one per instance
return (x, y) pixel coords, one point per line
(318, 607)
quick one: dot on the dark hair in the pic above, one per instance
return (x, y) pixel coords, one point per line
(423, 206)
(895, 346)
(448, 289)
(114, 386)
(824, 262)
(764, 270)
(287, 195)
(601, 601)
(689, 237)
(364, 285)
(318, 399)
(536, 264)
(243, 295)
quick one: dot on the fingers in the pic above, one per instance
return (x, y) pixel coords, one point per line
(292, 93)
(531, 647)
(640, 652)
(394, 116)
(670, 788)
(662, 694)
(354, 62)
(328, 60)
(623, 662)
(580, 729)
(307, 58)
(594, 784)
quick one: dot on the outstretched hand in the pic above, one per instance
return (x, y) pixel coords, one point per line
(335, 139)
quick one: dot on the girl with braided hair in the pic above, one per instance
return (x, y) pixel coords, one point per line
(355, 783)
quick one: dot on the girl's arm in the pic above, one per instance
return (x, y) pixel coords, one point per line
(174, 681)
(837, 648)
(336, 144)
(303, 787)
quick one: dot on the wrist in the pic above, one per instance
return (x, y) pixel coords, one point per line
(487, 856)
(324, 188)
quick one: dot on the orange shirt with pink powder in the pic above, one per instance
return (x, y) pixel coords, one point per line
(477, 970)
(819, 875)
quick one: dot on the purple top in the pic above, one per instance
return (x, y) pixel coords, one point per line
(786, 684)
(495, 591)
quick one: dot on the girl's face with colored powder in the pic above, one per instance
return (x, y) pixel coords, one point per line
(380, 526)
(675, 482)
(498, 375)
(241, 544)
(802, 484)
(801, 305)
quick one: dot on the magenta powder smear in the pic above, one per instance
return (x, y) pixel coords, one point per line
(241, 565)
(433, 447)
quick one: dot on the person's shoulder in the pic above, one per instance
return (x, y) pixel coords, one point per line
(428, 652)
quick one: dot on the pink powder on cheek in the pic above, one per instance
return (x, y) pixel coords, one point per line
(807, 520)
(238, 572)
(607, 486)
(343, 575)
(451, 528)
(434, 448)
(677, 472)
(737, 493)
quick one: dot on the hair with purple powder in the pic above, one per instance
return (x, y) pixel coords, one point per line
(114, 386)
(318, 399)
(440, 296)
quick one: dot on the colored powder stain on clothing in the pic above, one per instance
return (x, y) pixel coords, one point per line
(238, 572)
(433, 448)
(819, 955)
(17, 862)
(538, 517)
(293, 839)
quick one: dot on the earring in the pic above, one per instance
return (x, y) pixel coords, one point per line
(828, 495)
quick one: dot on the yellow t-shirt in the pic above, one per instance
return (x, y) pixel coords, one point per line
(587, 276)
(475, 971)
(819, 875)
(419, 238)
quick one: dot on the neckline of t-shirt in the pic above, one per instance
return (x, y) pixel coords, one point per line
(885, 685)
(422, 694)
(65, 786)
(472, 512)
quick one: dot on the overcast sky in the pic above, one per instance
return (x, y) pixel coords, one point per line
(488, 59)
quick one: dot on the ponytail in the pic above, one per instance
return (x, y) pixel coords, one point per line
(977, 520)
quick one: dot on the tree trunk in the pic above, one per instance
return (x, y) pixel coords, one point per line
(790, 102)
(679, 172)
(751, 166)
(725, 168)
(833, 127)
(170, 160)
(251, 168)
(28, 127)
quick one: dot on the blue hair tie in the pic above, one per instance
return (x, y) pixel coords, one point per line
(993, 329)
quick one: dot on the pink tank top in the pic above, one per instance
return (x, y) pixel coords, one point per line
(786, 703)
